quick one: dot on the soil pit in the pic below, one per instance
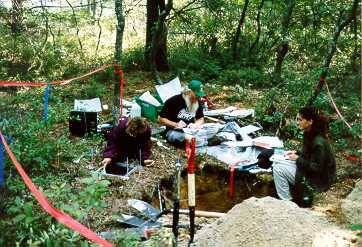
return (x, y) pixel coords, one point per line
(213, 189)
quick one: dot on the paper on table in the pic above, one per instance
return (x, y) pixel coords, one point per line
(88, 105)
(219, 112)
(147, 97)
(268, 141)
(169, 89)
(249, 129)
(240, 113)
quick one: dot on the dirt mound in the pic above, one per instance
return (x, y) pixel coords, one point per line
(271, 222)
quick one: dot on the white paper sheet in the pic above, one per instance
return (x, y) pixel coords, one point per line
(219, 112)
(271, 141)
(147, 97)
(240, 113)
(169, 89)
(249, 129)
(88, 105)
(127, 103)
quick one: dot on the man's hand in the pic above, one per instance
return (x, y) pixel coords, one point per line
(193, 126)
(148, 162)
(181, 124)
(106, 161)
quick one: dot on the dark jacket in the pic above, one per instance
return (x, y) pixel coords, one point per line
(120, 145)
(316, 164)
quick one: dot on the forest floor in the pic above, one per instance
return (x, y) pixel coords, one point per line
(143, 185)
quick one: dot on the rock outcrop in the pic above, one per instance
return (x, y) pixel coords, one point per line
(352, 205)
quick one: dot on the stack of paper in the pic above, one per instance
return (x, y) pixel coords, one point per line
(169, 89)
(147, 97)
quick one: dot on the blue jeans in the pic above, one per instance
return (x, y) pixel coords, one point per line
(176, 137)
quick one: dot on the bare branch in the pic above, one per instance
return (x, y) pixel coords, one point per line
(100, 27)
(76, 24)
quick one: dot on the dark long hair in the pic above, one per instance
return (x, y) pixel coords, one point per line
(320, 125)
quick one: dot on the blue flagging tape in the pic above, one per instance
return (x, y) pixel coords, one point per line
(46, 100)
(2, 148)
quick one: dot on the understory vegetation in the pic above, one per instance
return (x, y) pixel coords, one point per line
(47, 45)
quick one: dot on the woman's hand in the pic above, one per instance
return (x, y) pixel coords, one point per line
(106, 161)
(148, 162)
(293, 156)
(289, 152)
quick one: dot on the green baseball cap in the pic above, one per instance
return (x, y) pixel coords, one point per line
(195, 86)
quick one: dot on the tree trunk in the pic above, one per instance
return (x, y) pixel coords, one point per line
(234, 45)
(152, 17)
(341, 24)
(94, 8)
(355, 61)
(156, 36)
(16, 16)
(117, 58)
(259, 27)
(284, 46)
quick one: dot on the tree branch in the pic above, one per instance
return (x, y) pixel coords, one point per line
(341, 24)
(76, 24)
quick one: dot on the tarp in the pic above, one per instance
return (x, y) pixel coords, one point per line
(144, 208)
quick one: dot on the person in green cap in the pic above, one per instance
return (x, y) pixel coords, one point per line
(182, 111)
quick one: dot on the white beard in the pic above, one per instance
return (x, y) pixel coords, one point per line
(190, 107)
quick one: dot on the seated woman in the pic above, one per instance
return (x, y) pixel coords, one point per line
(130, 139)
(315, 165)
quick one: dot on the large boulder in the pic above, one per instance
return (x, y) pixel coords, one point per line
(271, 222)
(352, 205)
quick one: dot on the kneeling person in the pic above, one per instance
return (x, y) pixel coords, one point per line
(130, 139)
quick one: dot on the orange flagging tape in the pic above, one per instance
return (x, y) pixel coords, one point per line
(57, 214)
(335, 106)
(63, 82)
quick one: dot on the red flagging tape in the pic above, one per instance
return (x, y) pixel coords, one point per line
(190, 154)
(231, 178)
(57, 214)
(121, 91)
(19, 83)
(231, 181)
(63, 82)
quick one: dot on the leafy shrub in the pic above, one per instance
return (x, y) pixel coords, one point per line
(134, 59)
(247, 77)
